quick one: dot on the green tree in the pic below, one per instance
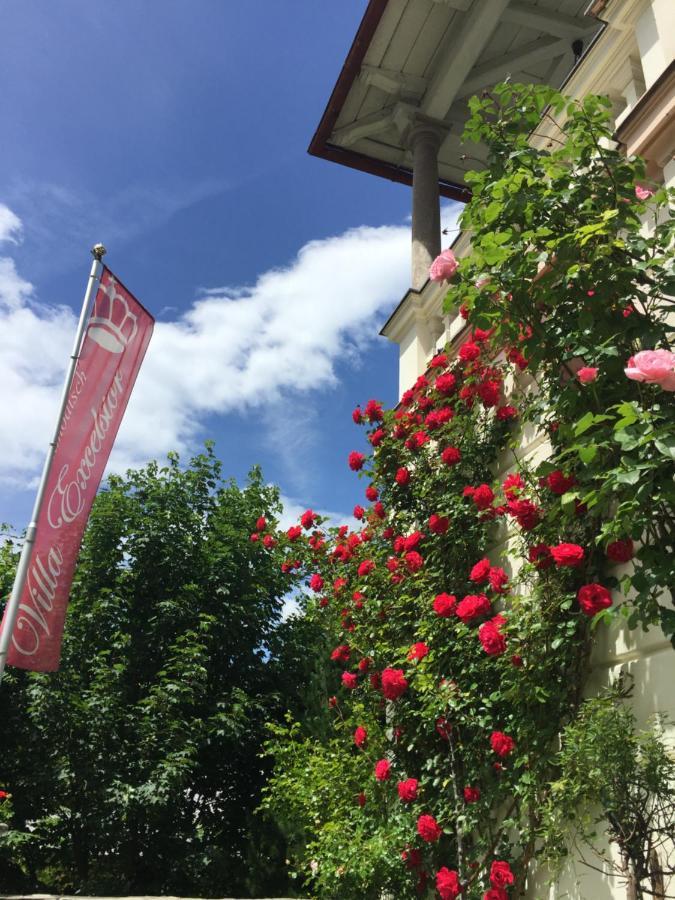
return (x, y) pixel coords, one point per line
(137, 764)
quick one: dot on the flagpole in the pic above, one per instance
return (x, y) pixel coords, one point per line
(98, 252)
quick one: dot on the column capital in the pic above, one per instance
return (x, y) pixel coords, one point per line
(412, 125)
(428, 130)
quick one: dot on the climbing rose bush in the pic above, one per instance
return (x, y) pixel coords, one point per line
(453, 668)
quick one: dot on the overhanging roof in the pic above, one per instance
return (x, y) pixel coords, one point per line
(415, 59)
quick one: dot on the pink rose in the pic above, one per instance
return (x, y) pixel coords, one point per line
(444, 266)
(643, 193)
(587, 374)
(653, 367)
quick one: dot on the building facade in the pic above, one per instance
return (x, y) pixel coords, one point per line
(398, 110)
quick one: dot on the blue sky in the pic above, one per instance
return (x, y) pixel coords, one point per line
(176, 133)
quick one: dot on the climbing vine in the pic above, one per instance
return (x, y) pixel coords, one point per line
(518, 498)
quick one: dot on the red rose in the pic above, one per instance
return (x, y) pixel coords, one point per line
(307, 518)
(501, 743)
(451, 456)
(392, 564)
(418, 651)
(438, 524)
(472, 607)
(620, 551)
(495, 894)
(360, 736)
(505, 413)
(501, 875)
(517, 661)
(373, 411)
(516, 357)
(357, 416)
(268, 541)
(371, 493)
(407, 790)
(383, 770)
(444, 605)
(394, 685)
(255, 537)
(365, 567)
(341, 653)
(378, 510)
(467, 395)
(469, 351)
(349, 680)
(294, 532)
(512, 486)
(447, 884)
(479, 573)
(356, 461)
(445, 383)
(438, 417)
(316, 582)
(571, 555)
(593, 598)
(428, 828)
(471, 794)
(483, 496)
(365, 663)
(491, 638)
(402, 476)
(443, 727)
(358, 512)
(498, 579)
(377, 437)
(489, 392)
(560, 483)
(411, 542)
(540, 555)
(412, 857)
(414, 561)
(3, 795)
(261, 524)
(524, 512)
(439, 361)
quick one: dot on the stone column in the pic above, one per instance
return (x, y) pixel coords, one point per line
(426, 213)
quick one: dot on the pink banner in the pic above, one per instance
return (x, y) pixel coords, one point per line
(115, 342)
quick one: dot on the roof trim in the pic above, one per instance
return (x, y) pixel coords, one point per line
(320, 145)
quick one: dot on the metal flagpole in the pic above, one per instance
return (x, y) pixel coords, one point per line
(98, 251)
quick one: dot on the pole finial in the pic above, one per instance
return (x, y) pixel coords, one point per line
(98, 251)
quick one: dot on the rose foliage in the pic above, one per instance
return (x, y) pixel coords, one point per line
(461, 662)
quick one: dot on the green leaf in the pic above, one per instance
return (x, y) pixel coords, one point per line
(583, 424)
(587, 454)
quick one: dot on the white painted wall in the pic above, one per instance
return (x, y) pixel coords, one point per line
(636, 48)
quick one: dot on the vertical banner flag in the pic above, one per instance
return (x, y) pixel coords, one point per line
(117, 336)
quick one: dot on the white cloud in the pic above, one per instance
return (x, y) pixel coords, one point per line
(235, 349)
(292, 510)
(240, 348)
(34, 345)
(10, 225)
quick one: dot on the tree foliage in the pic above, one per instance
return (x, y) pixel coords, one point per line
(136, 765)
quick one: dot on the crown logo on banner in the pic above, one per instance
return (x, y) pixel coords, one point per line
(112, 324)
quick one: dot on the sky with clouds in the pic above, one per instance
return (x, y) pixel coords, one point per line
(176, 134)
